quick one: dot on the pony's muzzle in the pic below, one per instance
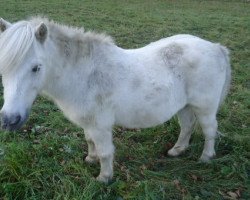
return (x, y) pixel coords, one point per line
(11, 122)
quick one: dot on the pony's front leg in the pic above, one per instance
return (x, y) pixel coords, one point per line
(102, 139)
(92, 155)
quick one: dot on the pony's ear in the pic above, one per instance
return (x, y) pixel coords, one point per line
(4, 25)
(41, 32)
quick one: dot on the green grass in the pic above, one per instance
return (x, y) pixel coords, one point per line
(44, 160)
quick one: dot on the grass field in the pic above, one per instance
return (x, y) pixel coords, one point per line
(44, 160)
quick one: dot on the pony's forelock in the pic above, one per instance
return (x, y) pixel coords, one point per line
(14, 45)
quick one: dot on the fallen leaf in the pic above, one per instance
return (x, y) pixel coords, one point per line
(230, 194)
(36, 141)
(143, 167)
(238, 192)
(62, 162)
(195, 177)
(169, 145)
(233, 195)
(177, 184)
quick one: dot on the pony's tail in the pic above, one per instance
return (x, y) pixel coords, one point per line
(226, 85)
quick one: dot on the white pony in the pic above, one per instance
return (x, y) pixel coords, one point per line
(98, 85)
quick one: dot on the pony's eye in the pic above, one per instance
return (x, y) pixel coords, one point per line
(36, 68)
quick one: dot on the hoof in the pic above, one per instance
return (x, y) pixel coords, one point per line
(104, 179)
(176, 151)
(91, 159)
(206, 158)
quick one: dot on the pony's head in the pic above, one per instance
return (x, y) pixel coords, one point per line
(22, 66)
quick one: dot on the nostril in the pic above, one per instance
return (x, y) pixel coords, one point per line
(15, 120)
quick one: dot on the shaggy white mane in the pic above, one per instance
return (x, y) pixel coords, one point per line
(71, 33)
(17, 40)
(14, 44)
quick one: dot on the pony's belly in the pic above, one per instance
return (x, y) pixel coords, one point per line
(145, 117)
(152, 104)
(141, 120)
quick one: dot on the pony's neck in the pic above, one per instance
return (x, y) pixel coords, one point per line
(72, 60)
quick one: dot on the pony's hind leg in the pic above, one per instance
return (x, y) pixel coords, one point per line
(208, 124)
(187, 120)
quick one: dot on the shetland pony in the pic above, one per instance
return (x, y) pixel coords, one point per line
(98, 85)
